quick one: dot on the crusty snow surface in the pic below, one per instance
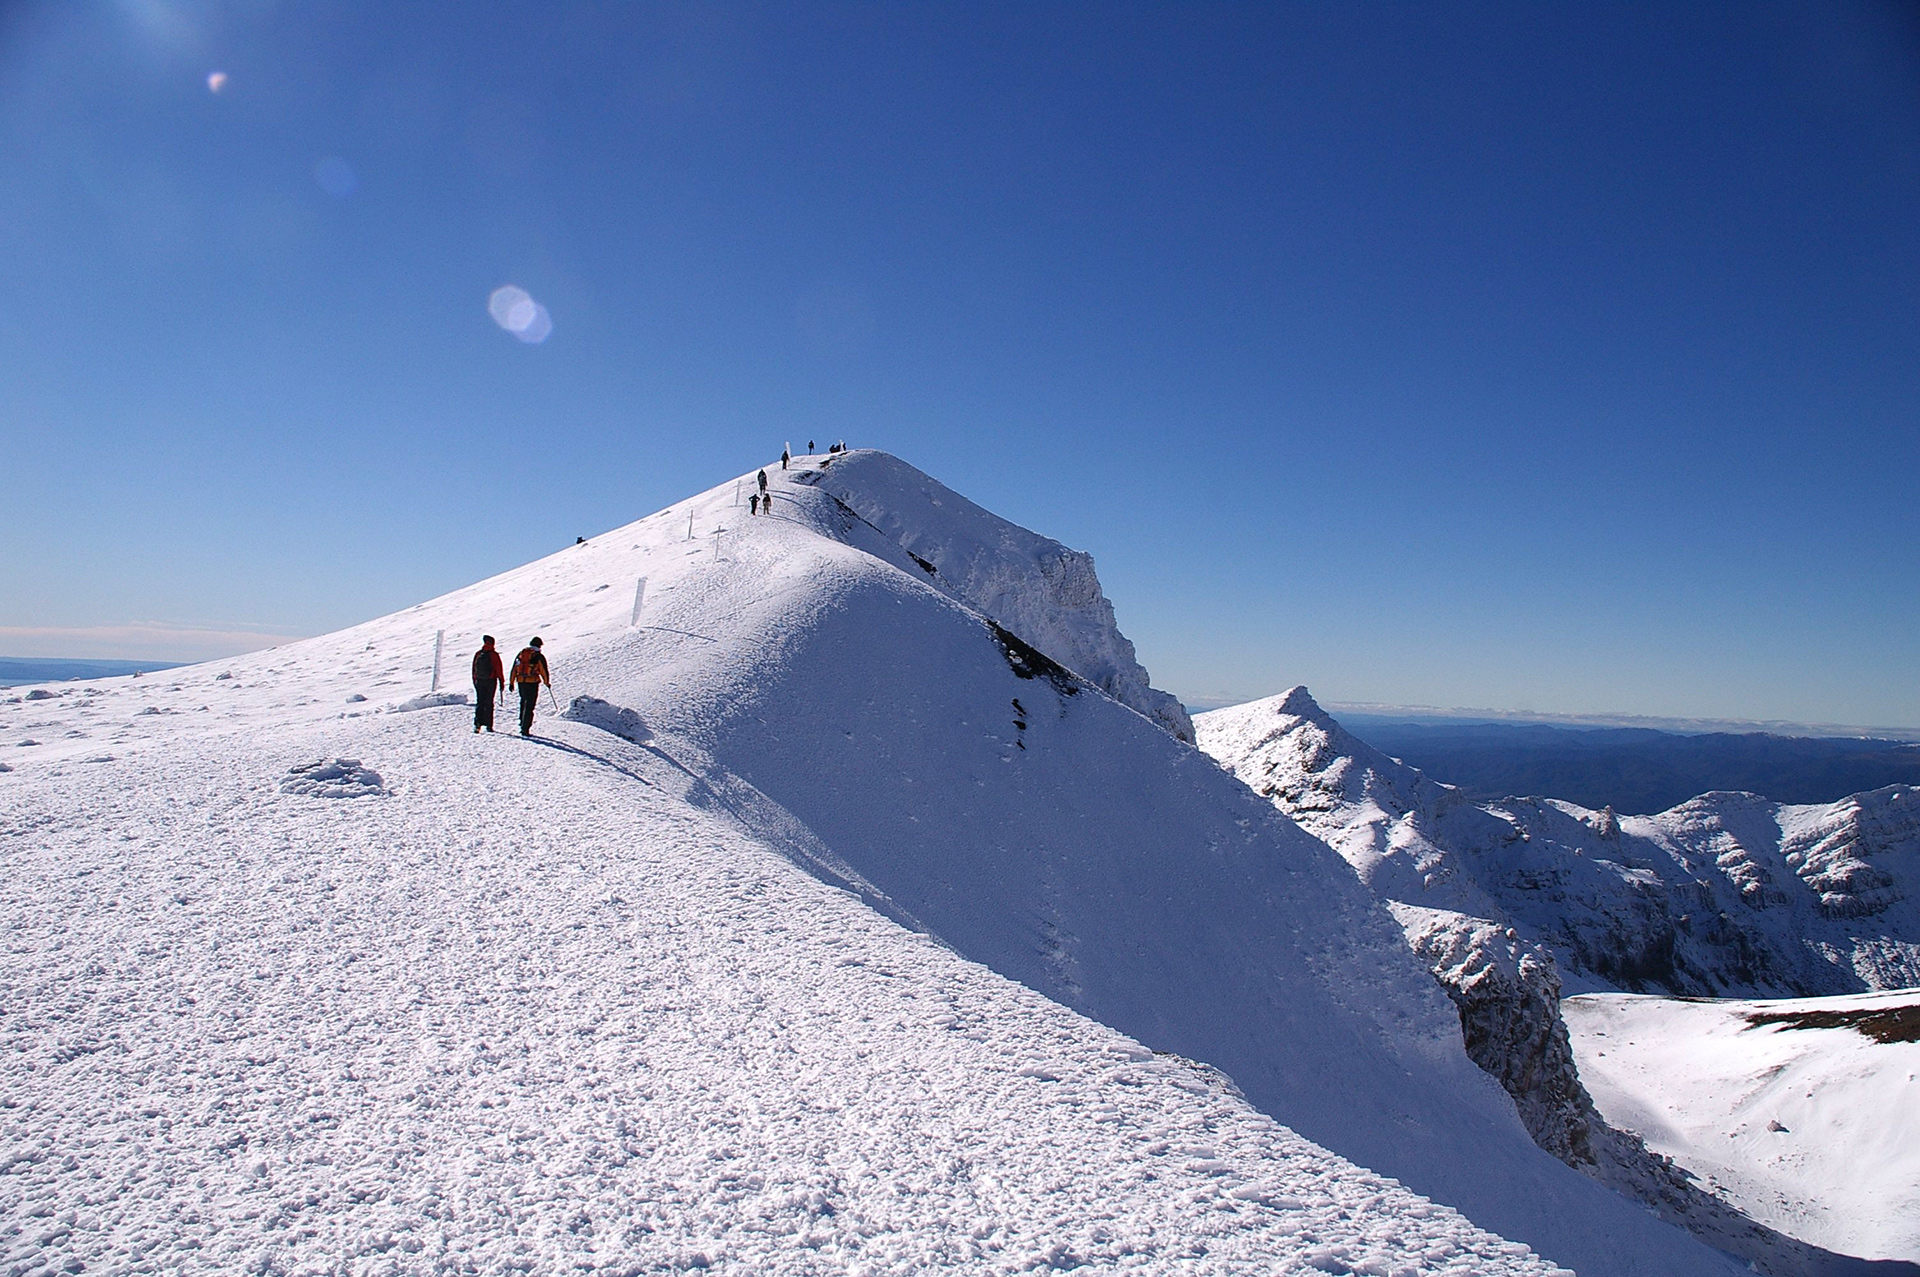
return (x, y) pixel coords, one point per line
(544, 1007)
(1808, 1124)
(835, 931)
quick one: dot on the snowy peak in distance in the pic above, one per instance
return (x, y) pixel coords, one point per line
(1379, 814)
(1726, 894)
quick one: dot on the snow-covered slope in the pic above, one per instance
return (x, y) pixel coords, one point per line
(1805, 1112)
(549, 1008)
(571, 1000)
(1726, 893)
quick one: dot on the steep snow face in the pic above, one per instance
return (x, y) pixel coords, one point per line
(1726, 893)
(1032, 585)
(1805, 1112)
(794, 695)
(1859, 856)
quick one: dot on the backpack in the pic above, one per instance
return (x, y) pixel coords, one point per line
(528, 665)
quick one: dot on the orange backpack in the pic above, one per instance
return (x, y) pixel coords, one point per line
(527, 666)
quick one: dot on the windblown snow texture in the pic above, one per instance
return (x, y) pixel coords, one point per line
(839, 926)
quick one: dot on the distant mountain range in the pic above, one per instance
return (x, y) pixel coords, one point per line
(1637, 770)
(1725, 894)
(15, 670)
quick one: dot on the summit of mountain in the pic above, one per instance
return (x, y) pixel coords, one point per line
(863, 909)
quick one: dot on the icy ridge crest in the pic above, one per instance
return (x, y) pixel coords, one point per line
(1034, 586)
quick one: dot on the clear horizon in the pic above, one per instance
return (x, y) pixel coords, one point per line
(1559, 362)
(1341, 709)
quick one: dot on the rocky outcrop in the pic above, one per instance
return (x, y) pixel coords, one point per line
(1508, 996)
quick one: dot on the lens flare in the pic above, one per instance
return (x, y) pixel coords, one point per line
(217, 81)
(503, 303)
(515, 310)
(539, 326)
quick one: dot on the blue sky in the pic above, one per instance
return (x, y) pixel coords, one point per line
(1548, 357)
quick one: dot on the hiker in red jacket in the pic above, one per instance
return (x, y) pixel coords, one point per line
(487, 678)
(529, 671)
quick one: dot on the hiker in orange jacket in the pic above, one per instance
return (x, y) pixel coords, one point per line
(529, 671)
(487, 678)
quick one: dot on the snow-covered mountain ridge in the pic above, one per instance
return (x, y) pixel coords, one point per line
(1499, 898)
(592, 1001)
(558, 1011)
(1032, 585)
(1726, 894)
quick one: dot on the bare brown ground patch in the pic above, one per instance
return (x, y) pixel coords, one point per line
(1894, 1024)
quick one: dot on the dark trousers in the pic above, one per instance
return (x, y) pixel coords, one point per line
(529, 693)
(483, 704)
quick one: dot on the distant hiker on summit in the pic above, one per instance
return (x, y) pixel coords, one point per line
(763, 483)
(785, 457)
(487, 678)
(529, 671)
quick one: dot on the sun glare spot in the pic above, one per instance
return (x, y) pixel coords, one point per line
(514, 310)
(217, 81)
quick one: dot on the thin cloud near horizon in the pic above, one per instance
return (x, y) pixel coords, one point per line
(1457, 714)
(138, 640)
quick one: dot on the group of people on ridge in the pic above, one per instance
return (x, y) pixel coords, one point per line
(529, 672)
